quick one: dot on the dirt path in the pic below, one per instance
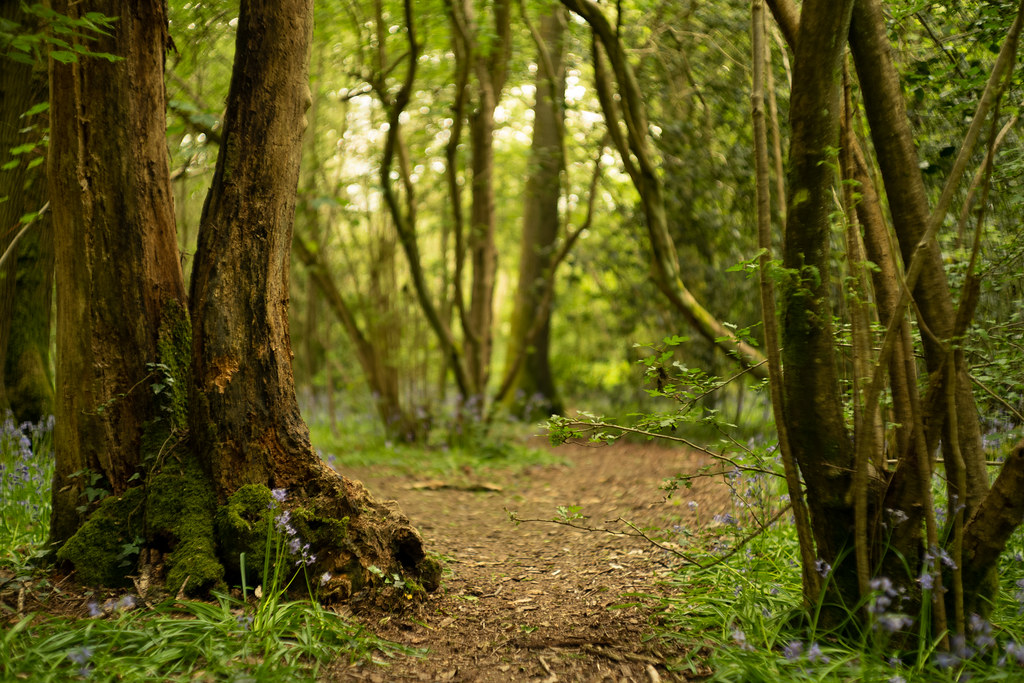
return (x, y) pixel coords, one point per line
(537, 602)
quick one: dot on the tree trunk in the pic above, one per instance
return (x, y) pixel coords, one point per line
(490, 68)
(189, 498)
(812, 405)
(898, 161)
(245, 418)
(533, 389)
(116, 253)
(26, 275)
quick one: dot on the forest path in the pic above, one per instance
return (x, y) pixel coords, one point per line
(537, 601)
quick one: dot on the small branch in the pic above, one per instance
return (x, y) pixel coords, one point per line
(667, 437)
(635, 533)
(10, 247)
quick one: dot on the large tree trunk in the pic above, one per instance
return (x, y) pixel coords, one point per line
(26, 275)
(245, 418)
(534, 387)
(117, 258)
(190, 497)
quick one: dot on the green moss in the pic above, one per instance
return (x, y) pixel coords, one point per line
(430, 569)
(174, 355)
(242, 528)
(180, 511)
(100, 549)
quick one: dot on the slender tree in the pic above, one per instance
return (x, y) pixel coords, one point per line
(534, 386)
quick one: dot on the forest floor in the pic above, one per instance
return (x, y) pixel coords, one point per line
(538, 601)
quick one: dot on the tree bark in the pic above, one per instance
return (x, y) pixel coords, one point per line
(908, 204)
(190, 496)
(245, 417)
(116, 253)
(489, 69)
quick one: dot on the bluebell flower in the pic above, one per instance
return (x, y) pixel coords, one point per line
(822, 567)
(1015, 651)
(793, 651)
(740, 638)
(815, 655)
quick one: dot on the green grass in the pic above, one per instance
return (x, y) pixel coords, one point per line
(432, 461)
(186, 640)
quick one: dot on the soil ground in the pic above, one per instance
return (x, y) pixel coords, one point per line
(539, 601)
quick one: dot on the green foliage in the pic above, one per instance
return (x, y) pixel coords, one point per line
(66, 38)
(187, 640)
(737, 604)
(438, 461)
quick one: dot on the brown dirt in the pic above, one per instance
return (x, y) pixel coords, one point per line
(539, 601)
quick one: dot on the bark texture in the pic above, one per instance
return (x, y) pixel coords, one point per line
(116, 252)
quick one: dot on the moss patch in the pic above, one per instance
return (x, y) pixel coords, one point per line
(100, 549)
(180, 517)
(242, 528)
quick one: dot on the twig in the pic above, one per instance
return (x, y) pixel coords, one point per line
(28, 224)
(636, 533)
(667, 437)
(749, 538)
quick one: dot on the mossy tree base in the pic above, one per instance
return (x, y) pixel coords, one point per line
(357, 545)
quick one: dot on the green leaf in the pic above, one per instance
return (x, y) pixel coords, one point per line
(64, 57)
(37, 109)
(10, 164)
(21, 149)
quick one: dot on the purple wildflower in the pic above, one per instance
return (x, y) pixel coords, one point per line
(1015, 651)
(740, 639)
(793, 651)
(822, 567)
(815, 655)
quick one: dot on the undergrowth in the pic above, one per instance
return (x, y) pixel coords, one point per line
(258, 636)
(736, 604)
